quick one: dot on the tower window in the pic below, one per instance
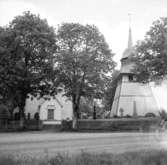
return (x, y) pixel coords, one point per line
(131, 78)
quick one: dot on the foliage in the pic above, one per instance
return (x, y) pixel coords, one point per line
(151, 53)
(163, 114)
(27, 49)
(83, 61)
(110, 91)
(86, 107)
(8, 70)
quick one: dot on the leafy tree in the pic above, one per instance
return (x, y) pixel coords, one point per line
(151, 53)
(84, 59)
(7, 79)
(27, 49)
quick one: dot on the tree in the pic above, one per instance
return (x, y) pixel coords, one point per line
(7, 66)
(27, 49)
(151, 53)
(84, 59)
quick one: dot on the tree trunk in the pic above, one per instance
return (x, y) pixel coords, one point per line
(75, 117)
(21, 109)
(74, 122)
(94, 112)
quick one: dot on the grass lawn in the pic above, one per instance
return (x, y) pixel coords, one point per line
(135, 158)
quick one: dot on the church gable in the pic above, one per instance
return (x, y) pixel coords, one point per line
(51, 110)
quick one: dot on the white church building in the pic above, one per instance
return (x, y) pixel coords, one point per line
(51, 110)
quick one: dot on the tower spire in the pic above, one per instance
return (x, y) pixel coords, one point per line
(129, 50)
(130, 43)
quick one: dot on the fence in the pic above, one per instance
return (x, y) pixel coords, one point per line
(14, 125)
(122, 124)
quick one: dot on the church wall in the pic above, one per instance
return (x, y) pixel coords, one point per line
(125, 103)
(66, 107)
(114, 108)
(116, 99)
(61, 105)
(67, 111)
(117, 92)
(32, 105)
(129, 92)
(125, 78)
(50, 104)
(135, 89)
(127, 68)
(143, 106)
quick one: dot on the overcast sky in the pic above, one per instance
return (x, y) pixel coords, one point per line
(110, 16)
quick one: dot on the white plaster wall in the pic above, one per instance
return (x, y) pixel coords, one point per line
(67, 110)
(125, 78)
(32, 106)
(63, 109)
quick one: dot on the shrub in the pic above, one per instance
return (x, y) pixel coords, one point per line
(128, 116)
(163, 114)
(150, 114)
(66, 125)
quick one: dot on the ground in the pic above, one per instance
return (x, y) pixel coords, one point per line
(42, 143)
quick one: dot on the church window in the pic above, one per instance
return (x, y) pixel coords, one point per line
(50, 114)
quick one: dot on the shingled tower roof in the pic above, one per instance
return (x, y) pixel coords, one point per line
(129, 50)
(126, 63)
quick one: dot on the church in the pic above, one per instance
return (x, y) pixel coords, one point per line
(51, 110)
(132, 98)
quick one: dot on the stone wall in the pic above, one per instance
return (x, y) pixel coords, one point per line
(119, 124)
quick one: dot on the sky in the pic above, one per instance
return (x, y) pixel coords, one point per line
(110, 16)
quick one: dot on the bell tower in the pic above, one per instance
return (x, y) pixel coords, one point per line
(132, 98)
